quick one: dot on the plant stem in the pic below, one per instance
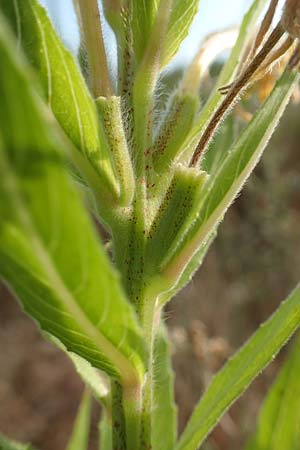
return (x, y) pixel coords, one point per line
(118, 417)
(143, 104)
(93, 38)
(126, 403)
(132, 402)
(150, 326)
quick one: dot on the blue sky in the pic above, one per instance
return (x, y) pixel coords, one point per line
(213, 15)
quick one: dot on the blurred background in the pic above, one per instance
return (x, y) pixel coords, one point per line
(251, 267)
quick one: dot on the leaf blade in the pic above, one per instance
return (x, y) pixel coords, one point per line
(81, 429)
(143, 16)
(94, 380)
(240, 370)
(226, 182)
(279, 418)
(182, 15)
(164, 418)
(47, 242)
(63, 85)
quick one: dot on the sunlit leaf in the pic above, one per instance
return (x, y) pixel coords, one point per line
(81, 429)
(182, 16)
(63, 85)
(227, 181)
(94, 379)
(164, 421)
(279, 419)
(50, 254)
(143, 17)
(240, 370)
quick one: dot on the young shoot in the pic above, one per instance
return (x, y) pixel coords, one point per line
(80, 152)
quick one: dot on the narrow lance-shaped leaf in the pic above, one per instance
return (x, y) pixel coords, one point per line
(96, 381)
(279, 420)
(143, 18)
(113, 13)
(240, 370)
(63, 85)
(227, 181)
(164, 416)
(50, 254)
(189, 271)
(82, 424)
(182, 16)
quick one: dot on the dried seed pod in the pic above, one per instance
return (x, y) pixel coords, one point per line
(290, 20)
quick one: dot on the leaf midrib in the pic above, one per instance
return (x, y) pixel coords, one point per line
(127, 371)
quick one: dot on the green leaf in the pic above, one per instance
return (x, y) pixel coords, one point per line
(224, 185)
(189, 271)
(93, 379)
(63, 85)
(81, 429)
(182, 16)
(279, 420)
(8, 444)
(241, 370)
(50, 253)
(143, 14)
(244, 155)
(143, 18)
(113, 13)
(164, 416)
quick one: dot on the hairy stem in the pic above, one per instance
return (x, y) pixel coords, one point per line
(132, 401)
(126, 411)
(150, 322)
(93, 38)
(143, 104)
(118, 417)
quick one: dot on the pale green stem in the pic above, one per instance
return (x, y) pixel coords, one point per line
(126, 407)
(150, 322)
(118, 417)
(132, 401)
(93, 39)
(143, 101)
